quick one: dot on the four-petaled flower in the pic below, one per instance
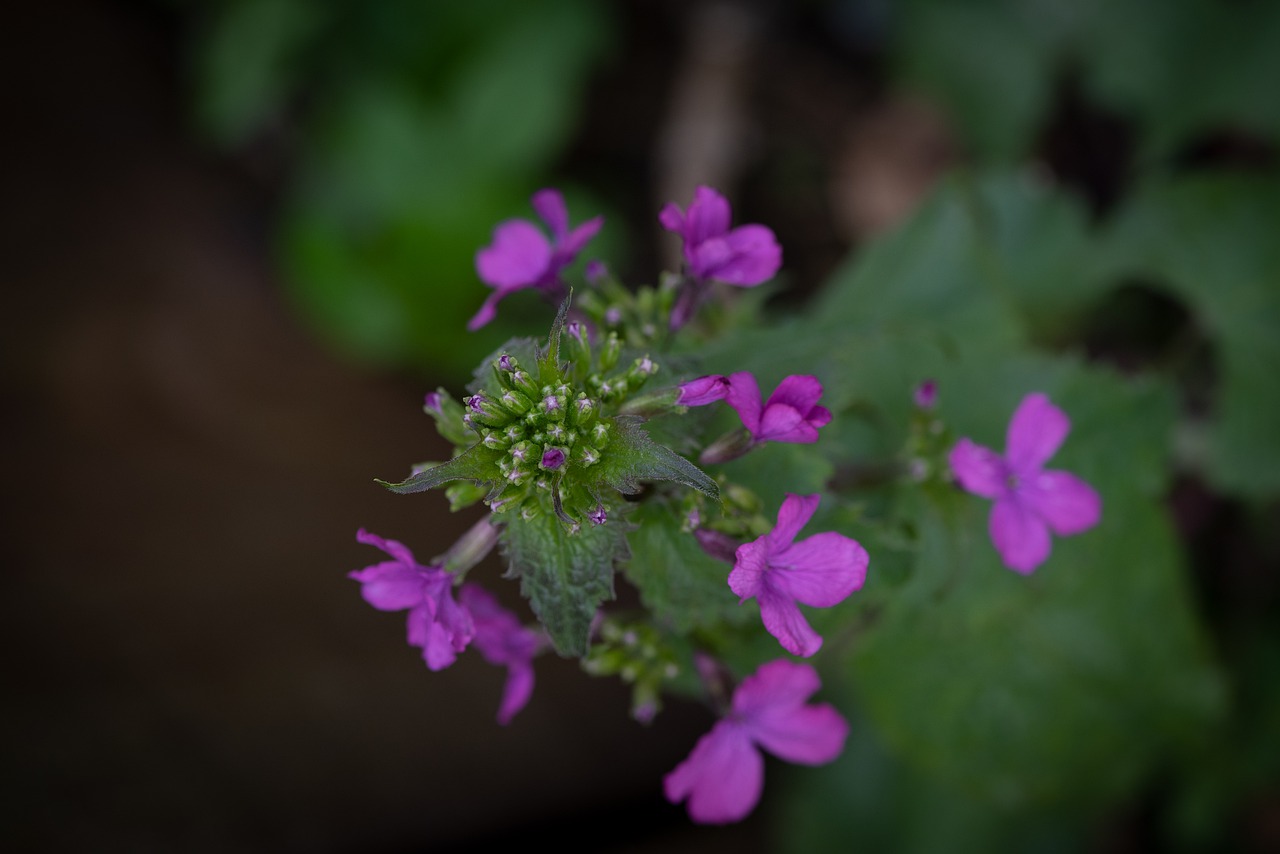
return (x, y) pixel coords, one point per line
(504, 641)
(779, 573)
(1029, 501)
(437, 624)
(791, 414)
(723, 777)
(521, 256)
(745, 256)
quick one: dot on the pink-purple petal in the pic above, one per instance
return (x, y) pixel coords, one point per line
(549, 205)
(979, 470)
(822, 570)
(782, 423)
(777, 684)
(519, 255)
(568, 248)
(1064, 501)
(799, 391)
(751, 255)
(744, 397)
(782, 619)
(1036, 431)
(750, 565)
(807, 735)
(672, 218)
(516, 691)
(393, 548)
(703, 390)
(793, 515)
(708, 216)
(390, 586)
(1019, 534)
(488, 311)
(722, 778)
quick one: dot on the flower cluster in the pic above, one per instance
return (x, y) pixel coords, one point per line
(441, 626)
(585, 463)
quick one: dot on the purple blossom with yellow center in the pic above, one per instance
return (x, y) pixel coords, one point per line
(1029, 501)
(744, 256)
(724, 775)
(503, 640)
(791, 414)
(781, 574)
(437, 624)
(521, 256)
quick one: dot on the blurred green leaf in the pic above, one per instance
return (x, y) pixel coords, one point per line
(867, 800)
(989, 63)
(1186, 67)
(1212, 240)
(249, 62)
(1068, 684)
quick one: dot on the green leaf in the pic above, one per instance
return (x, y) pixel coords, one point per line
(989, 66)
(549, 359)
(867, 800)
(477, 463)
(632, 457)
(1212, 240)
(565, 576)
(1066, 685)
(683, 586)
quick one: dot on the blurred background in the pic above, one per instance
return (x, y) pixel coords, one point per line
(238, 249)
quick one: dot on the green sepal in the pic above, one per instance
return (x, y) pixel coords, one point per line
(565, 576)
(477, 463)
(632, 457)
(549, 360)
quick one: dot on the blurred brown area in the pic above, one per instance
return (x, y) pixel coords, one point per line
(184, 470)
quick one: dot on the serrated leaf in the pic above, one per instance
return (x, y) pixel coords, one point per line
(477, 463)
(632, 457)
(682, 585)
(565, 576)
(549, 360)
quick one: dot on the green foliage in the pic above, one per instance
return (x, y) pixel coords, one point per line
(477, 463)
(1069, 685)
(565, 576)
(677, 580)
(1180, 68)
(418, 127)
(1212, 240)
(634, 457)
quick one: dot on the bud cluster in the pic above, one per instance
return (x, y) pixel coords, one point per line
(547, 432)
(636, 653)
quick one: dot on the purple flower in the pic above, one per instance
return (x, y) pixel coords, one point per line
(724, 775)
(779, 572)
(1030, 502)
(504, 641)
(437, 624)
(926, 395)
(746, 255)
(703, 390)
(791, 414)
(520, 255)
